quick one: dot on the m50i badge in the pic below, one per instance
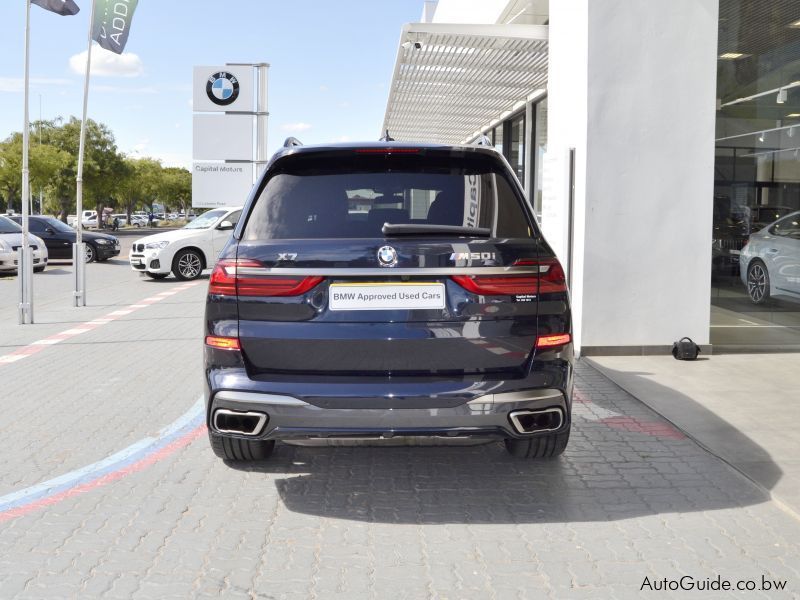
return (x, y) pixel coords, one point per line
(472, 256)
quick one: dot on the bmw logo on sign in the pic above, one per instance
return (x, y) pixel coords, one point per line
(222, 88)
(387, 256)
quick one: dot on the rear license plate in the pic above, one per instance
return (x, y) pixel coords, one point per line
(385, 296)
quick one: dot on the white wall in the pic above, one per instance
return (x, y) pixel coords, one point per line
(633, 88)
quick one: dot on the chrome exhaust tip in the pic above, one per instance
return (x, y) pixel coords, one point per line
(235, 421)
(537, 421)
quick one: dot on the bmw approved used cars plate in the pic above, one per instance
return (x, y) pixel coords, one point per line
(385, 296)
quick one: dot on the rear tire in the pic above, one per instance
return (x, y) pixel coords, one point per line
(156, 275)
(235, 449)
(540, 446)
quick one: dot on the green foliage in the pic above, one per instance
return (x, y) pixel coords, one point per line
(109, 177)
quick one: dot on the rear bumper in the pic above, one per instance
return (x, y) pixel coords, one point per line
(488, 415)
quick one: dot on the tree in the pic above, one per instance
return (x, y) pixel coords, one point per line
(103, 164)
(139, 183)
(176, 187)
(11, 169)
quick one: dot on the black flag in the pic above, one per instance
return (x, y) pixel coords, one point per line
(112, 23)
(61, 7)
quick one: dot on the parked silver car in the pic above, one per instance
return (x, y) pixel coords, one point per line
(11, 240)
(770, 261)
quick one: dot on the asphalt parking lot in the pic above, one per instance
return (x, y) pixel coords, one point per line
(109, 488)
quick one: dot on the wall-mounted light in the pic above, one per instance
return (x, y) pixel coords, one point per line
(761, 137)
(783, 95)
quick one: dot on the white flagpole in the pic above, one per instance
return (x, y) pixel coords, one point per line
(78, 251)
(25, 260)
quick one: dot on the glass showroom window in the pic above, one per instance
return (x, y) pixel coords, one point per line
(539, 146)
(497, 138)
(516, 147)
(756, 178)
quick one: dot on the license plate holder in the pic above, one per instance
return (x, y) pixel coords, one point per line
(386, 296)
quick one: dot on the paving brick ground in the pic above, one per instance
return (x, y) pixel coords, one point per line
(631, 498)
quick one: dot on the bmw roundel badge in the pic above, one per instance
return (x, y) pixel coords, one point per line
(387, 256)
(222, 88)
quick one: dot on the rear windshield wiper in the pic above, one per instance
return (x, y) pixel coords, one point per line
(392, 229)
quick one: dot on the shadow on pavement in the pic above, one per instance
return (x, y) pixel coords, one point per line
(607, 473)
(709, 429)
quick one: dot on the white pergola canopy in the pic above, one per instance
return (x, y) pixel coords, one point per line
(452, 81)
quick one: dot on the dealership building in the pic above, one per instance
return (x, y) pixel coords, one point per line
(652, 139)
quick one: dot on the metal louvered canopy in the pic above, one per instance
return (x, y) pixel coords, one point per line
(450, 81)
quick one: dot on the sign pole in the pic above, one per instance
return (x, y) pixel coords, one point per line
(261, 120)
(25, 260)
(78, 250)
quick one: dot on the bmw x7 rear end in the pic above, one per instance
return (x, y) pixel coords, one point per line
(382, 290)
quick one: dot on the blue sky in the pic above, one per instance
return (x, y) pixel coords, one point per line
(331, 65)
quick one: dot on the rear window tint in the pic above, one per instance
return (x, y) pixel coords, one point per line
(352, 197)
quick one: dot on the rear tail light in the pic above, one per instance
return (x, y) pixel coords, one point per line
(223, 343)
(551, 341)
(550, 279)
(243, 277)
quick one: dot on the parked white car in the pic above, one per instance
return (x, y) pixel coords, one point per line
(10, 242)
(770, 261)
(138, 221)
(185, 252)
(88, 219)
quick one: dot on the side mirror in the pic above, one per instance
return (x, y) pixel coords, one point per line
(225, 225)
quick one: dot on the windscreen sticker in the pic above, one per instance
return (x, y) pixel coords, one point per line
(472, 200)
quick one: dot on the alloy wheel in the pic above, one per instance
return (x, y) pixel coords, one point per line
(88, 253)
(756, 282)
(189, 265)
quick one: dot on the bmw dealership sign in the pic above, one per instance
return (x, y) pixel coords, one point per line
(226, 131)
(220, 89)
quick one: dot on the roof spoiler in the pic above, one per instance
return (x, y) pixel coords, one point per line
(291, 141)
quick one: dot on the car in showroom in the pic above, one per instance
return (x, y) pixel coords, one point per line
(770, 261)
(387, 290)
(59, 237)
(10, 243)
(188, 251)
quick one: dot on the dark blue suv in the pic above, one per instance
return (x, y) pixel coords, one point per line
(387, 289)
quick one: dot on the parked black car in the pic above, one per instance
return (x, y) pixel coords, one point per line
(382, 290)
(59, 237)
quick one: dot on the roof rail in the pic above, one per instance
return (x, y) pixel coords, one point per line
(483, 140)
(386, 137)
(291, 141)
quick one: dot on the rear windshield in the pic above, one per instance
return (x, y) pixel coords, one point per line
(353, 196)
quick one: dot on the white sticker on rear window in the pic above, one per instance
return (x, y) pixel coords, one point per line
(472, 200)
